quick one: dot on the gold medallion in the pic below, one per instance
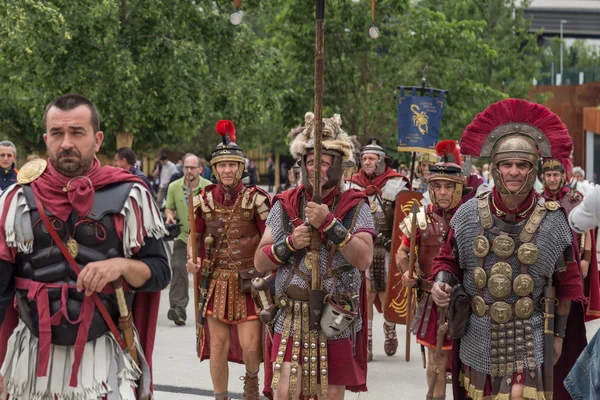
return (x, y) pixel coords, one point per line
(501, 312)
(72, 246)
(373, 206)
(502, 268)
(523, 285)
(524, 308)
(481, 246)
(503, 246)
(478, 306)
(551, 205)
(31, 171)
(479, 278)
(308, 261)
(499, 286)
(527, 253)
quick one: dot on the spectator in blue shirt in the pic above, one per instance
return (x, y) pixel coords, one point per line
(8, 156)
(125, 158)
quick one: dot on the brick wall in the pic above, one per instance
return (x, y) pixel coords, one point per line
(568, 103)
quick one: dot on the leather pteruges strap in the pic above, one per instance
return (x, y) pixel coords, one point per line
(63, 249)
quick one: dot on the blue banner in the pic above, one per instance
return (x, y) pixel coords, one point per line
(419, 120)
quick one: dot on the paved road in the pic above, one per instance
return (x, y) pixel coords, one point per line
(179, 375)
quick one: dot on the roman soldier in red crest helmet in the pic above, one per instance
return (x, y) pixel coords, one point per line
(555, 178)
(230, 219)
(515, 258)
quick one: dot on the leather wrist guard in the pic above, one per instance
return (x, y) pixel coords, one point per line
(560, 325)
(282, 250)
(338, 233)
(444, 277)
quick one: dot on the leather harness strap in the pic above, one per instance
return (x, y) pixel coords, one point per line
(95, 298)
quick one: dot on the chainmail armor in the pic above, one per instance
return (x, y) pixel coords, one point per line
(553, 237)
(349, 281)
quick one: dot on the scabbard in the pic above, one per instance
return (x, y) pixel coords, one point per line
(126, 326)
(441, 333)
(316, 304)
(548, 370)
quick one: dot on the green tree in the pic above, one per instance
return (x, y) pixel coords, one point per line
(161, 69)
(361, 74)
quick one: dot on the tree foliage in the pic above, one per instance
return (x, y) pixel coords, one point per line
(167, 70)
(164, 70)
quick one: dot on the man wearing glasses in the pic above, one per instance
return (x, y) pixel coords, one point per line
(177, 207)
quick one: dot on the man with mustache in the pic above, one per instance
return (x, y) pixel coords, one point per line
(333, 354)
(177, 206)
(71, 232)
(447, 185)
(232, 218)
(382, 184)
(513, 252)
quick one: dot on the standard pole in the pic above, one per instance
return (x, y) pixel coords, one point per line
(318, 133)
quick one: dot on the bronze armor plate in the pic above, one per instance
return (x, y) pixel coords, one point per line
(523, 285)
(481, 246)
(528, 253)
(478, 306)
(524, 308)
(503, 246)
(479, 278)
(502, 268)
(499, 286)
(501, 312)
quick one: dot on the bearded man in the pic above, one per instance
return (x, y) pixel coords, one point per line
(232, 218)
(446, 189)
(382, 185)
(515, 256)
(332, 356)
(72, 238)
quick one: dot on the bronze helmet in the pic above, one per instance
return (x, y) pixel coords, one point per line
(228, 150)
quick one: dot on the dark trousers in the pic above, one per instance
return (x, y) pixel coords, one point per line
(180, 281)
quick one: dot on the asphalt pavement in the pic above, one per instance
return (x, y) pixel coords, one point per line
(178, 374)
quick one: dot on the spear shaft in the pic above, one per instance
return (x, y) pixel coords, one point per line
(315, 243)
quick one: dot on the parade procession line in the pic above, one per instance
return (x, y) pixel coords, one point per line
(179, 376)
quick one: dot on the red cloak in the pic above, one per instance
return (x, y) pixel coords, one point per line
(80, 196)
(378, 181)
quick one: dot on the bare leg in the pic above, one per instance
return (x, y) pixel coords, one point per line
(219, 346)
(335, 392)
(283, 388)
(517, 391)
(439, 391)
(250, 335)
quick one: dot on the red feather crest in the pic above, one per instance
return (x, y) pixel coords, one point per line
(226, 128)
(450, 148)
(521, 111)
